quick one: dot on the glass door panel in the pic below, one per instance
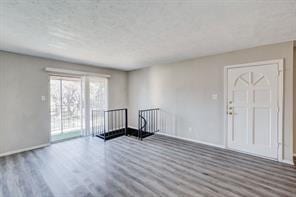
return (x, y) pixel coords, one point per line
(71, 105)
(98, 100)
(55, 106)
(66, 102)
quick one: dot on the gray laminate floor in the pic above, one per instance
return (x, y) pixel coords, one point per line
(157, 166)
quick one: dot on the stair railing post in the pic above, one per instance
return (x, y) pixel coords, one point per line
(141, 133)
(126, 121)
(138, 124)
(92, 122)
(104, 126)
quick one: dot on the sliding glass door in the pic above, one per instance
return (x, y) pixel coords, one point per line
(65, 107)
(72, 100)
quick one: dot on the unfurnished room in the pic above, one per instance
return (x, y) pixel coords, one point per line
(170, 98)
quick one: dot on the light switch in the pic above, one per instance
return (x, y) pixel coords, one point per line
(43, 98)
(214, 96)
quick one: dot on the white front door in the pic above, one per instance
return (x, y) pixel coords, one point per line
(252, 108)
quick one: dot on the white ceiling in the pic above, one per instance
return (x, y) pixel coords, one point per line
(133, 34)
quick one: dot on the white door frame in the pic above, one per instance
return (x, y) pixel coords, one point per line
(280, 63)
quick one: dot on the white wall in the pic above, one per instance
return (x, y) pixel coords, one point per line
(183, 91)
(24, 118)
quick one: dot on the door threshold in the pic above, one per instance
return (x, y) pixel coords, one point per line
(66, 139)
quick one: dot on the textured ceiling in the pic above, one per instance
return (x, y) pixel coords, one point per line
(133, 34)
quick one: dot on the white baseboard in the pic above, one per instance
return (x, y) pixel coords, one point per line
(224, 147)
(196, 141)
(24, 149)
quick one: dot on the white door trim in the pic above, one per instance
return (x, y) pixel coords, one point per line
(280, 63)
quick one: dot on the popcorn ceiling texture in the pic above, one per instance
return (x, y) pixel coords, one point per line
(133, 34)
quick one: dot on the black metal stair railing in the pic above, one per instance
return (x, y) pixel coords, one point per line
(110, 123)
(142, 128)
(148, 122)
